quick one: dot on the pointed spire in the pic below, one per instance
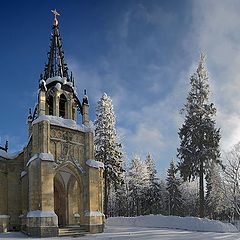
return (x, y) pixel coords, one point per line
(55, 65)
(85, 97)
(30, 118)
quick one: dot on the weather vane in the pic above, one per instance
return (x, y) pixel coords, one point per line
(55, 13)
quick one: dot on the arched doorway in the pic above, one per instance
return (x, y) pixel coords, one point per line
(60, 200)
(74, 203)
(67, 197)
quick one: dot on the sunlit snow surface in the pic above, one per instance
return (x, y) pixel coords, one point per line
(132, 233)
(173, 222)
(152, 227)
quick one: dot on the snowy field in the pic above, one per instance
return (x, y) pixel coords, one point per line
(173, 222)
(156, 227)
(132, 233)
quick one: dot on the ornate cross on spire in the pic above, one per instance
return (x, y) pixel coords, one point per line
(55, 13)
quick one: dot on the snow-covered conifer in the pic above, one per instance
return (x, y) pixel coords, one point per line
(174, 194)
(215, 193)
(190, 203)
(108, 150)
(138, 183)
(151, 168)
(152, 192)
(199, 137)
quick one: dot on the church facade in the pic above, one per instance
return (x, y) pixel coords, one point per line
(54, 181)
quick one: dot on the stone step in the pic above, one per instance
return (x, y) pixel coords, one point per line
(75, 234)
(74, 231)
(71, 229)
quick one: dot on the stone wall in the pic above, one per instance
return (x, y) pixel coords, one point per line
(15, 168)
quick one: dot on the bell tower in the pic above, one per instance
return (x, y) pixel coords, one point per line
(62, 183)
(57, 92)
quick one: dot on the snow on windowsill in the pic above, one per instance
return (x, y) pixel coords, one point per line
(41, 156)
(94, 163)
(62, 122)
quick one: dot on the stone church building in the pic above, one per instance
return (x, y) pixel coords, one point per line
(54, 181)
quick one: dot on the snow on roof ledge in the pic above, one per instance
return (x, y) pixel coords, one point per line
(4, 216)
(62, 122)
(58, 79)
(94, 164)
(93, 214)
(41, 214)
(9, 155)
(41, 156)
(62, 80)
(173, 222)
(23, 173)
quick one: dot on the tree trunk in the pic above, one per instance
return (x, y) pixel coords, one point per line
(201, 191)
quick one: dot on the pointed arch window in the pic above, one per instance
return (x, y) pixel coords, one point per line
(50, 105)
(62, 106)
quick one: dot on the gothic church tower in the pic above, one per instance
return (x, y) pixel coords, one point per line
(60, 182)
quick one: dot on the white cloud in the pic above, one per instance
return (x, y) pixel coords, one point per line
(215, 31)
(147, 94)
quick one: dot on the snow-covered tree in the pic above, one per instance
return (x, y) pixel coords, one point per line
(108, 149)
(189, 191)
(174, 194)
(138, 183)
(232, 180)
(163, 203)
(199, 137)
(152, 192)
(215, 194)
(151, 168)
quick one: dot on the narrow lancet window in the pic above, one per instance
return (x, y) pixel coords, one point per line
(50, 105)
(62, 106)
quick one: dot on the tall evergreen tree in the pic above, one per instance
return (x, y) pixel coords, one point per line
(108, 150)
(199, 137)
(174, 194)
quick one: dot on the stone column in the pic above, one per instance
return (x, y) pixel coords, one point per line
(4, 218)
(93, 216)
(41, 102)
(85, 116)
(41, 218)
(56, 104)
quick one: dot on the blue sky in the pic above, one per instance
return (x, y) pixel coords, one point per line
(141, 53)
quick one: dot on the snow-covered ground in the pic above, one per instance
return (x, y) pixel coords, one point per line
(132, 233)
(154, 227)
(173, 222)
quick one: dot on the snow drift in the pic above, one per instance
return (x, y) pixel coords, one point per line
(184, 223)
